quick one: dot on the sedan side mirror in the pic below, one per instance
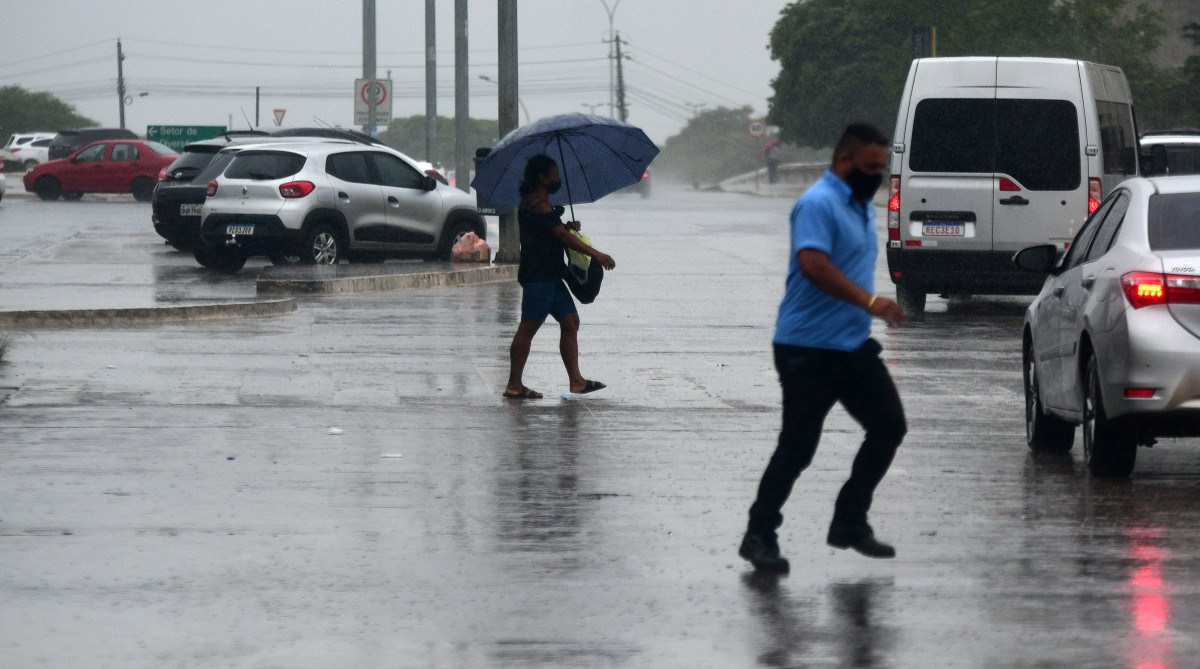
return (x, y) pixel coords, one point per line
(1040, 259)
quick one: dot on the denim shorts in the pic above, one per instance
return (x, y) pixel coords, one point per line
(546, 298)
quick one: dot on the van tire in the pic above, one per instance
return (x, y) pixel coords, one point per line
(912, 300)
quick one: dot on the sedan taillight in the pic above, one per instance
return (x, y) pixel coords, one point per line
(212, 188)
(162, 174)
(1144, 289)
(295, 189)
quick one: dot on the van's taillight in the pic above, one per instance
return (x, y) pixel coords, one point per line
(1095, 194)
(1144, 289)
(295, 189)
(1008, 185)
(894, 208)
(162, 174)
(212, 188)
(1139, 393)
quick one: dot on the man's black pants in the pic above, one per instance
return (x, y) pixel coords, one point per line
(813, 380)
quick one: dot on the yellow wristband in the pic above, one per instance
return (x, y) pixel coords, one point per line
(870, 303)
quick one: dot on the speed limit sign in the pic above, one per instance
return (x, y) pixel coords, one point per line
(758, 128)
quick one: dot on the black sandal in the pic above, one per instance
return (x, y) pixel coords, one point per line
(590, 387)
(525, 394)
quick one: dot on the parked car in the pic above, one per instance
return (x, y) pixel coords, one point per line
(1171, 152)
(995, 154)
(3, 186)
(16, 153)
(1112, 341)
(321, 202)
(180, 191)
(67, 142)
(112, 166)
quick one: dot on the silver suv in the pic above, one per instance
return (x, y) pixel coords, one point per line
(320, 202)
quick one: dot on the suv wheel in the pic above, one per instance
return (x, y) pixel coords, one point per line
(1044, 432)
(48, 188)
(221, 259)
(142, 189)
(912, 300)
(1108, 447)
(455, 229)
(322, 246)
(29, 164)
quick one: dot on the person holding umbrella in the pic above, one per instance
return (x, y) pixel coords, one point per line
(544, 240)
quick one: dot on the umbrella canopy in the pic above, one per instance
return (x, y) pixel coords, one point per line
(596, 156)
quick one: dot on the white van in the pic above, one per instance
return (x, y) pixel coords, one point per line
(996, 154)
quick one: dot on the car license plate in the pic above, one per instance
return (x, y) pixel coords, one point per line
(239, 229)
(190, 209)
(943, 230)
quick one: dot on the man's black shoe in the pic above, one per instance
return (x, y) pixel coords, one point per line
(763, 553)
(861, 538)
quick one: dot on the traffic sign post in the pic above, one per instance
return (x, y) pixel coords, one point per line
(177, 136)
(758, 128)
(362, 98)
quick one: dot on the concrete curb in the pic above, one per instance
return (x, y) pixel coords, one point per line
(68, 318)
(383, 282)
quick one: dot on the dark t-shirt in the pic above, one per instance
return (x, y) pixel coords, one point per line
(542, 254)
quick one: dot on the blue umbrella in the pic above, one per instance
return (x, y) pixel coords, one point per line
(596, 156)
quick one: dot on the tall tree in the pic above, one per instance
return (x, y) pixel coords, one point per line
(847, 59)
(407, 135)
(24, 111)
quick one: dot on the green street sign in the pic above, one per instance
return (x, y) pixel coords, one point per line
(176, 136)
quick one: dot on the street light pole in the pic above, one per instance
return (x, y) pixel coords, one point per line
(524, 110)
(611, 94)
(592, 107)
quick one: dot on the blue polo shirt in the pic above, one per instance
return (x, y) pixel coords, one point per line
(826, 219)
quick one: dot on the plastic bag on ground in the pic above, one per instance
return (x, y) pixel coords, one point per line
(470, 248)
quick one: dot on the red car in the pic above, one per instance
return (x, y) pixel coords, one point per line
(107, 166)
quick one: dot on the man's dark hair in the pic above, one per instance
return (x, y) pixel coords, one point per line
(856, 136)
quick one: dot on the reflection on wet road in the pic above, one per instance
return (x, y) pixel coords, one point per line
(175, 496)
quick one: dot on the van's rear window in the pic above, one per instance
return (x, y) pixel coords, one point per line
(264, 165)
(1174, 221)
(1036, 142)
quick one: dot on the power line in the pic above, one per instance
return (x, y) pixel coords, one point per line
(51, 55)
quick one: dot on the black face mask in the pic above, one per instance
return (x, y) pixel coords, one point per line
(863, 185)
(553, 187)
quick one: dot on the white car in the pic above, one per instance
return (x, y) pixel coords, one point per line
(1112, 342)
(26, 149)
(1171, 153)
(319, 202)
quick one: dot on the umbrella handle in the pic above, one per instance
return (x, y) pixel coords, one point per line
(563, 168)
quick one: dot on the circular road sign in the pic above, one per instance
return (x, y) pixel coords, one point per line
(758, 128)
(381, 93)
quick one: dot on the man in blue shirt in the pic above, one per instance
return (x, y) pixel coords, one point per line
(824, 353)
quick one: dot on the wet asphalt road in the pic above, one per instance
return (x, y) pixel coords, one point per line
(343, 487)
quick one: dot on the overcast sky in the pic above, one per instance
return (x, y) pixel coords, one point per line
(198, 63)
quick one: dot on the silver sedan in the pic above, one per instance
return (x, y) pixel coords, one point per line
(1112, 342)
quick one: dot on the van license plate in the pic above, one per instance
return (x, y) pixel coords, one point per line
(239, 229)
(943, 230)
(190, 209)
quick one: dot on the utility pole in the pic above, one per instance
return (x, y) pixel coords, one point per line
(121, 82)
(623, 111)
(509, 248)
(369, 64)
(257, 100)
(609, 38)
(462, 108)
(430, 80)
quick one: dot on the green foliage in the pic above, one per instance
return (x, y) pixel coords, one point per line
(844, 60)
(407, 135)
(23, 111)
